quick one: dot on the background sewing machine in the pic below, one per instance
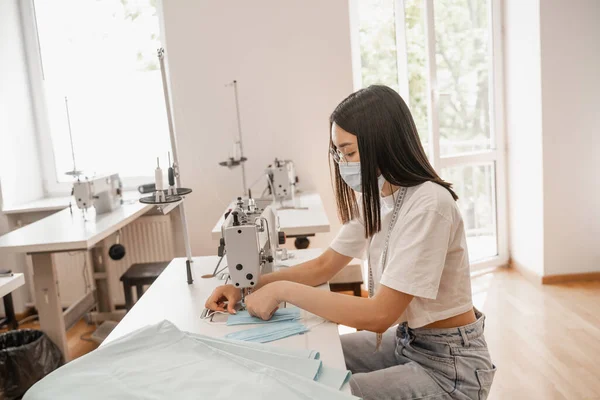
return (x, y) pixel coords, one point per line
(282, 175)
(250, 242)
(104, 193)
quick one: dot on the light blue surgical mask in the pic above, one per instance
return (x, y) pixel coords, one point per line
(350, 173)
(244, 318)
(269, 332)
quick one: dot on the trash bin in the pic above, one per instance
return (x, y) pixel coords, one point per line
(26, 356)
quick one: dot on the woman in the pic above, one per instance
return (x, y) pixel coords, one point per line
(407, 222)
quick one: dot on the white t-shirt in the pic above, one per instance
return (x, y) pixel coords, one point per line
(427, 255)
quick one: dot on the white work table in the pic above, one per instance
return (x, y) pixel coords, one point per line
(7, 285)
(52, 204)
(171, 298)
(68, 231)
(306, 219)
(40, 205)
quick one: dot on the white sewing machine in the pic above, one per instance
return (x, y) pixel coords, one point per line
(282, 175)
(259, 203)
(250, 240)
(105, 193)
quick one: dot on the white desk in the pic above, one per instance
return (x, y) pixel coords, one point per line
(41, 205)
(64, 231)
(52, 204)
(171, 298)
(7, 285)
(308, 219)
(10, 283)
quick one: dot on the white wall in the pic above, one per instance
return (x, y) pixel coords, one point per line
(20, 174)
(570, 34)
(293, 64)
(19, 168)
(524, 133)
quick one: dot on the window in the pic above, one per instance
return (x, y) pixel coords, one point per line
(101, 58)
(441, 56)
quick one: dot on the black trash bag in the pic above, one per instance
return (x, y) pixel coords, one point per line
(26, 356)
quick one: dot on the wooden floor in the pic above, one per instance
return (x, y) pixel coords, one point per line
(545, 340)
(77, 345)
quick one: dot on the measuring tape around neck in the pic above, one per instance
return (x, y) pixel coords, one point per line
(395, 213)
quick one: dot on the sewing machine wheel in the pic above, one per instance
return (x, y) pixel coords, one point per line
(302, 243)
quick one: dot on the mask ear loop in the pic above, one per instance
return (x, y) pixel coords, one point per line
(207, 315)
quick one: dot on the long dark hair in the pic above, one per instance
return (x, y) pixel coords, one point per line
(388, 142)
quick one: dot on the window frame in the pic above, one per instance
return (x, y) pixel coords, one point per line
(497, 154)
(52, 186)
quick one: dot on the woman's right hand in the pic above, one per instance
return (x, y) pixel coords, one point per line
(220, 295)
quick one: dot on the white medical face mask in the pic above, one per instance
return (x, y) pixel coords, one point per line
(350, 173)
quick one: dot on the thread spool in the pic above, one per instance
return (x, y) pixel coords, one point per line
(158, 177)
(236, 154)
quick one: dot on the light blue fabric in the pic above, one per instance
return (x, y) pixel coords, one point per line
(294, 352)
(333, 377)
(277, 358)
(269, 333)
(244, 318)
(161, 362)
(305, 367)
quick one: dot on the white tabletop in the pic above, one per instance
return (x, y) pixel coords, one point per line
(293, 222)
(171, 298)
(48, 204)
(10, 283)
(64, 231)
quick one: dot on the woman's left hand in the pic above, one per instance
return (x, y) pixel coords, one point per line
(264, 302)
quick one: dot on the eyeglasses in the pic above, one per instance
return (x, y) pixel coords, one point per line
(337, 156)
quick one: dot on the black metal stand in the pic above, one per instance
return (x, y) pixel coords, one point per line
(188, 268)
(11, 319)
(179, 192)
(168, 198)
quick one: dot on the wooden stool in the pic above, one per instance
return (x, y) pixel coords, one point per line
(348, 279)
(139, 275)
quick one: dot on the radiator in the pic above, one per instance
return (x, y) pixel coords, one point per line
(147, 239)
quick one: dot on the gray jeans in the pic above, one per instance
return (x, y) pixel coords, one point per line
(420, 363)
